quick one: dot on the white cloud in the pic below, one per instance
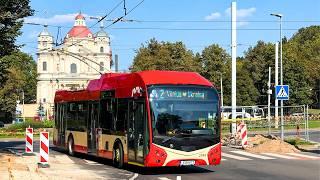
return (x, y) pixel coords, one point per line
(56, 19)
(213, 16)
(242, 13)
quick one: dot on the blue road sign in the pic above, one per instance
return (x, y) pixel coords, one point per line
(282, 92)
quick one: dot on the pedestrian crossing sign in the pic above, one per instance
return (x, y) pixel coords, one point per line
(282, 92)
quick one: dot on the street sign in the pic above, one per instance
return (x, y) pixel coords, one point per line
(282, 92)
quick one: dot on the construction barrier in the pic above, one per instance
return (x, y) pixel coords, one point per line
(242, 132)
(44, 149)
(29, 140)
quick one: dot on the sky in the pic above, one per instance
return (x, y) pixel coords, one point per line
(196, 23)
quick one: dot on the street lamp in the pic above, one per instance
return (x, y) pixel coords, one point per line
(281, 68)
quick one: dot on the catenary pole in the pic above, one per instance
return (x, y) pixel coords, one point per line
(234, 66)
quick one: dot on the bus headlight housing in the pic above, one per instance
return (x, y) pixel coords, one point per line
(156, 156)
(214, 155)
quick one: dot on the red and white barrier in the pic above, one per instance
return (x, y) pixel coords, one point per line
(242, 132)
(44, 148)
(29, 140)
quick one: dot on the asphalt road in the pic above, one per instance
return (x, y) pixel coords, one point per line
(235, 165)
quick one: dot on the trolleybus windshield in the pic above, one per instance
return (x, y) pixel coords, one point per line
(184, 117)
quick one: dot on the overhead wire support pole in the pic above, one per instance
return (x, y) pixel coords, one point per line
(269, 99)
(234, 65)
(276, 83)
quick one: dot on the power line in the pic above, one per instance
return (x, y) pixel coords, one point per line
(202, 29)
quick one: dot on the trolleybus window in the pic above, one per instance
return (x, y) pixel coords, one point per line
(184, 117)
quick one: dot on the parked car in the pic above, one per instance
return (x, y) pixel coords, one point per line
(1, 124)
(17, 120)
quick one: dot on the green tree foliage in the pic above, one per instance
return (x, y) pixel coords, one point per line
(21, 75)
(164, 56)
(12, 13)
(301, 66)
(256, 62)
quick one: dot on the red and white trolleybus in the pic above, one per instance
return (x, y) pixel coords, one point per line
(148, 118)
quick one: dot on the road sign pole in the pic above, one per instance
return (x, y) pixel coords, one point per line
(233, 65)
(282, 128)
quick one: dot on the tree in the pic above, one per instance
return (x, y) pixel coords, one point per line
(302, 52)
(21, 75)
(256, 62)
(216, 62)
(164, 56)
(12, 13)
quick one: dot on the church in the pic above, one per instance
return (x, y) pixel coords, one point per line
(82, 56)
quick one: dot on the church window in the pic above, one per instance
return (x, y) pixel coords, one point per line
(101, 49)
(73, 68)
(101, 66)
(44, 66)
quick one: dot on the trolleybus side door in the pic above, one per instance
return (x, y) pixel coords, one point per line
(91, 127)
(136, 123)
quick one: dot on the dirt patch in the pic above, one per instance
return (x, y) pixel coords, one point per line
(270, 144)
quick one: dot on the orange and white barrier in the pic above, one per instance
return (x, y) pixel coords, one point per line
(29, 140)
(44, 148)
(242, 132)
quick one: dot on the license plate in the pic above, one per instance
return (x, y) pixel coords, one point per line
(187, 163)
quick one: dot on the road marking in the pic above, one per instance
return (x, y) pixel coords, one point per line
(252, 155)
(235, 157)
(303, 155)
(134, 176)
(92, 163)
(178, 177)
(163, 178)
(222, 159)
(280, 156)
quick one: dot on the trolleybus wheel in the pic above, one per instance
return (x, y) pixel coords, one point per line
(70, 146)
(117, 155)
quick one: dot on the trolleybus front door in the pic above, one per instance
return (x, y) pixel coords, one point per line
(136, 124)
(92, 122)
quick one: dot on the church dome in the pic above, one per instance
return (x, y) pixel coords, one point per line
(79, 30)
(45, 31)
(101, 33)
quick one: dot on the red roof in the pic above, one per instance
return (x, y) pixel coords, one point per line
(79, 31)
(79, 16)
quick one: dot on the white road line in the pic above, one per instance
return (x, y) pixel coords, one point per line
(89, 162)
(222, 159)
(252, 155)
(280, 156)
(304, 156)
(178, 177)
(134, 176)
(235, 157)
(163, 178)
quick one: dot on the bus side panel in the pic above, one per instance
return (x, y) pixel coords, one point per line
(80, 140)
(55, 137)
(106, 143)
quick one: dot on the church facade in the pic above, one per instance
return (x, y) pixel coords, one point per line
(82, 56)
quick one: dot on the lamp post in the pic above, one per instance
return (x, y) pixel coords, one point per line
(281, 69)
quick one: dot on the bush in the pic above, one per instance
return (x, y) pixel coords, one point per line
(32, 124)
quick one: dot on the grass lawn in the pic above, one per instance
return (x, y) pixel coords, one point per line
(297, 141)
(312, 124)
(314, 111)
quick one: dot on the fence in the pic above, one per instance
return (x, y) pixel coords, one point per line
(295, 120)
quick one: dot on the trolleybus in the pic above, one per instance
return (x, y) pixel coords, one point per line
(148, 118)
